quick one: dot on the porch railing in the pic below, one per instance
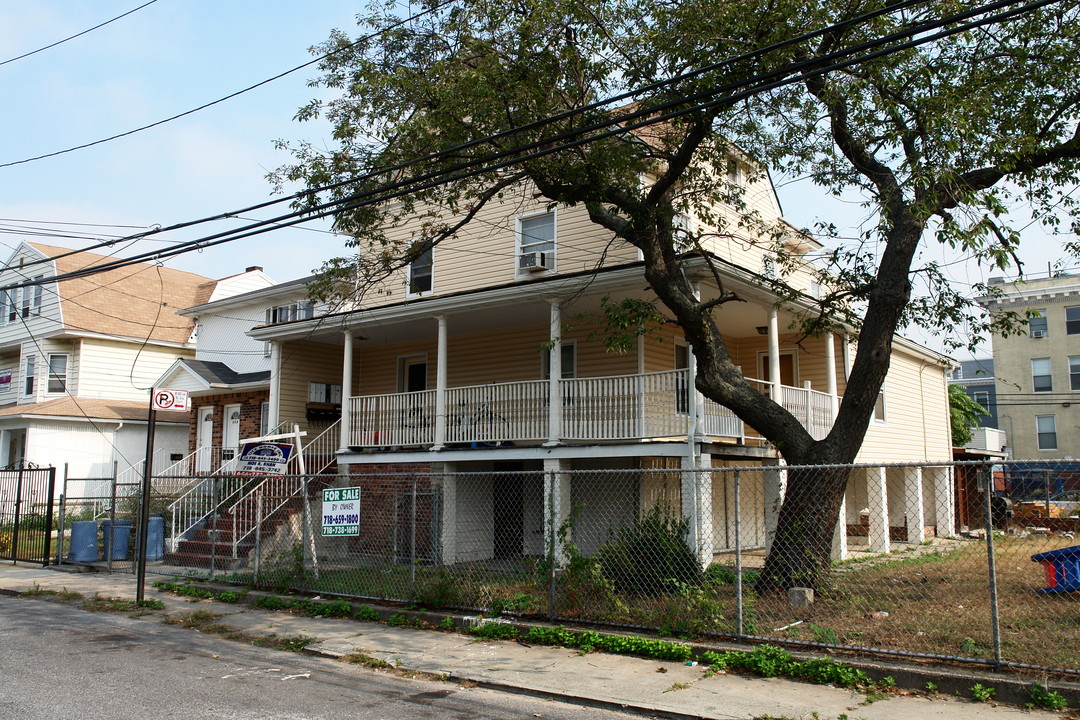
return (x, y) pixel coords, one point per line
(624, 407)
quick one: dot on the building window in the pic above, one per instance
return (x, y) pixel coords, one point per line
(982, 398)
(420, 273)
(290, 312)
(536, 242)
(12, 305)
(734, 172)
(264, 419)
(1046, 427)
(58, 365)
(1074, 372)
(1037, 326)
(1072, 320)
(879, 408)
(28, 376)
(1041, 380)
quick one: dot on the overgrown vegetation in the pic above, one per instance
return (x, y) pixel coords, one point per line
(651, 556)
(1043, 697)
(773, 661)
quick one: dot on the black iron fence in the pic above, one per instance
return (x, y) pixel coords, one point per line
(26, 514)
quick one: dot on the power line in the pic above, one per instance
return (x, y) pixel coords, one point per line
(913, 36)
(230, 96)
(567, 114)
(72, 37)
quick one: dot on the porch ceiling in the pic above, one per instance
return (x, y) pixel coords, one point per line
(528, 304)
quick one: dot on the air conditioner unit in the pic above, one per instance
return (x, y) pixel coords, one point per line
(535, 261)
(1038, 333)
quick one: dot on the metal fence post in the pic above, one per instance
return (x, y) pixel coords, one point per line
(18, 512)
(258, 535)
(549, 479)
(49, 517)
(412, 543)
(738, 557)
(211, 522)
(111, 534)
(60, 530)
(995, 619)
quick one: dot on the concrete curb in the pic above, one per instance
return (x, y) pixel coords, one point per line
(949, 681)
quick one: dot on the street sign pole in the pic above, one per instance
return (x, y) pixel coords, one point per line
(144, 511)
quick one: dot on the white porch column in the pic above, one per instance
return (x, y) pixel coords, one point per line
(448, 506)
(774, 355)
(557, 506)
(914, 512)
(944, 500)
(877, 495)
(346, 392)
(830, 373)
(554, 375)
(839, 540)
(696, 493)
(274, 411)
(775, 486)
(440, 386)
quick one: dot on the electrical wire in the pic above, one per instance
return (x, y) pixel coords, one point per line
(917, 35)
(567, 114)
(72, 37)
(230, 96)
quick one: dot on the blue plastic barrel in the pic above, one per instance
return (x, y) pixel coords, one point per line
(82, 542)
(155, 538)
(117, 542)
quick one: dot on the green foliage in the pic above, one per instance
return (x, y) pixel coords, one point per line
(556, 636)
(397, 620)
(964, 415)
(367, 614)
(443, 590)
(691, 611)
(930, 687)
(651, 556)
(520, 603)
(447, 624)
(272, 602)
(982, 693)
(1046, 698)
(495, 631)
(773, 661)
(824, 635)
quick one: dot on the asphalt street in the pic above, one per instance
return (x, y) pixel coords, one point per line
(62, 663)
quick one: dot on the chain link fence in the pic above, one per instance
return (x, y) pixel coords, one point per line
(974, 562)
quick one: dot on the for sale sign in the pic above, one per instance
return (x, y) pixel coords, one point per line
(341, 511)
(264, 458)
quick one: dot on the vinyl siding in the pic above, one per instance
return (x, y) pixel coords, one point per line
(122, 371)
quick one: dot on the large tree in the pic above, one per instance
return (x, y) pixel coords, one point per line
(942, 140)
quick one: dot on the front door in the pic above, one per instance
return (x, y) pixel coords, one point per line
(788, 374)
(507, 510)
(231, 441)
(204, 439)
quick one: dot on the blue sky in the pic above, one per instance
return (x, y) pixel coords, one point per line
(175, 55)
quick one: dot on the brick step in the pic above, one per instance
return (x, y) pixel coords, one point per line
(197, 560)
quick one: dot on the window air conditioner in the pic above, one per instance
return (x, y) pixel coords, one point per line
(1038, 333)
(534, 261)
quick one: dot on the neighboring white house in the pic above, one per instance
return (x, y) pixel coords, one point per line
(78, 358)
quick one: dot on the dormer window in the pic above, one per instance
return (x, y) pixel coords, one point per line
(290, 312)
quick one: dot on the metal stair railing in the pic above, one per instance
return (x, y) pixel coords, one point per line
(248, 513)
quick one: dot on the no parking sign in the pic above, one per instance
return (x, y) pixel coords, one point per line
(165, 399)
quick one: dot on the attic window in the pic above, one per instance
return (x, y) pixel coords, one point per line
(290, 312)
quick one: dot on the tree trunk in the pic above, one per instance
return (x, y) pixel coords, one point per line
(801, 549)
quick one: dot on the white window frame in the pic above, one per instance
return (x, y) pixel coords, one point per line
(880, 416)
(410, 277)
(287, 312)
(534, 246)
(264, 418)
(29, 375)
(12, 305)
(1038, 326)
(54, 377)
(1074, 372)
(1075, 330)
(1039, 432)
(976, 394)
(1049, 375)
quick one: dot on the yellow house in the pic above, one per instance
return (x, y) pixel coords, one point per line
(483, 368)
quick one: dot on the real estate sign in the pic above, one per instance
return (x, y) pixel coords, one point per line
(341, 511)
(264, 458)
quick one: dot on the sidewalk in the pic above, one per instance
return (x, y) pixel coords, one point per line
(595, 679)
